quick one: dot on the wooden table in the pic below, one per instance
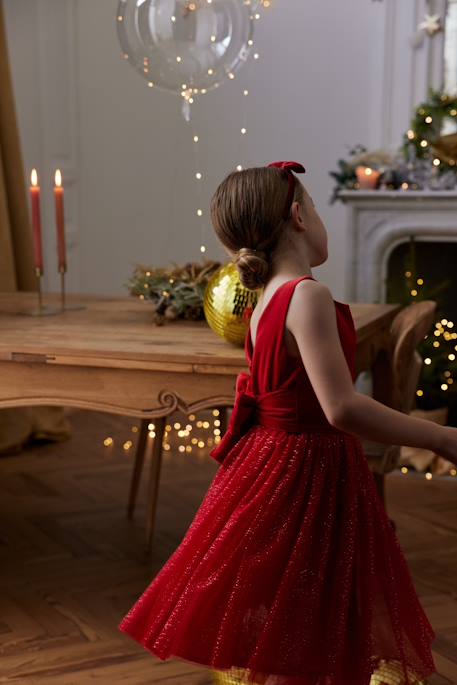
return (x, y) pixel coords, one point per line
(110, 357)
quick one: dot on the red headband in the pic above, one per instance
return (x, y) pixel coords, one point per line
(288, 168)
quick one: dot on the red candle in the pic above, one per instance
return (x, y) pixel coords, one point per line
(60, 222)
(36, 222)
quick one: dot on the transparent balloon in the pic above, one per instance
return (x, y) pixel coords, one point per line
(186, 46)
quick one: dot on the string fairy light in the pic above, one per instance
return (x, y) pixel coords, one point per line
(188, 93)
(244, 128)
(181, 433)
(199, 177)
(187, 444)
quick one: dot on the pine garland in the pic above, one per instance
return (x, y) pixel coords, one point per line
(175, 292)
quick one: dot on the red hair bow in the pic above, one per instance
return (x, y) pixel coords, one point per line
(288, 167)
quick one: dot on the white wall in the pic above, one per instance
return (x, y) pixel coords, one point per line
(323, 83)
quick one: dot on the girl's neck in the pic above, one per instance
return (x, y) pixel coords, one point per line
(290, 270)
(290, 262)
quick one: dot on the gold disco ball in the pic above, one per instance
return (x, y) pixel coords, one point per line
(234, 676)
(388, 672)
(228, 305)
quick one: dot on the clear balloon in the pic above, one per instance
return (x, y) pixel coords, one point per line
(186, 46)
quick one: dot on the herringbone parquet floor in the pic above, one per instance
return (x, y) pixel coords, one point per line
(71, 564)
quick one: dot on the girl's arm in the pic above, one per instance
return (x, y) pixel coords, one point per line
(312, 321)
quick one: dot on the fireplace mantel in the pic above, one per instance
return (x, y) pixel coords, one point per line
(380, 220)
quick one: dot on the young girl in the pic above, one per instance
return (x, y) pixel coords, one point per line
(291, 570)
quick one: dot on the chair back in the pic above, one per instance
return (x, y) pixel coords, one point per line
(408, 329)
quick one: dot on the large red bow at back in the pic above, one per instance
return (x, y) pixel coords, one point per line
(243, 414)
(275, 409)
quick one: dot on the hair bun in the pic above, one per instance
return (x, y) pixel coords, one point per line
(253, 267)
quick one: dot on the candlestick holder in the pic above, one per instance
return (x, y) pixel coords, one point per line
(45, 309)
(64, 306)
(42, 309)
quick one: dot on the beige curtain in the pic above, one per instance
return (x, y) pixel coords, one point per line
(16, 261)
(17, 426)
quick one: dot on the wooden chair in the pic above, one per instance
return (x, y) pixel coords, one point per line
(408, 329)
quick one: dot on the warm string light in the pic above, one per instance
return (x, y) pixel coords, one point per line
(181, 431)
(428, 475)
(265, 3)
(188, 93)
(151, 430)
(244, 127)
(198, 177)
(256, 56)
(443, 329)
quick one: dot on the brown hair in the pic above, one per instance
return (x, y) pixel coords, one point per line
(247, 214)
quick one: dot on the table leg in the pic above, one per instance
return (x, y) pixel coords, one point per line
(156, 462)
(138, 466)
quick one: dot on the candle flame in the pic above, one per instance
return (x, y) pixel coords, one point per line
(34, 178)
(58, 178)
(368, 171)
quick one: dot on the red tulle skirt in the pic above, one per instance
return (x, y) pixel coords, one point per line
(290, 568)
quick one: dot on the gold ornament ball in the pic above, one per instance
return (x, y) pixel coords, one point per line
(228, 305)
(390, 672)
(234, 676)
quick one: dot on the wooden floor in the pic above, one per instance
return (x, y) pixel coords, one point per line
(71, 564)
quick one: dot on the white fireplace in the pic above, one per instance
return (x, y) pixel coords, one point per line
(380, 220)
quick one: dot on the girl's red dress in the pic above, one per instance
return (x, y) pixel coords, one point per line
(291, 566)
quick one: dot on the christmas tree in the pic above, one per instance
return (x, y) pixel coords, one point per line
(439, 348)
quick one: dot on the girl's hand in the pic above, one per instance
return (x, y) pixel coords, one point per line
(448, 450)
